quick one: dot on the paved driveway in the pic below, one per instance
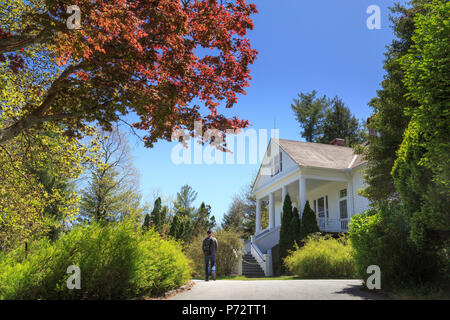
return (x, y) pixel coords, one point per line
(276, 290)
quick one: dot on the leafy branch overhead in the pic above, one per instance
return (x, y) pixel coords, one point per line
(152, 57)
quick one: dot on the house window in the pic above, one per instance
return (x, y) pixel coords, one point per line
(343, 209)
(322, 207)
(277, 164)
(343, 204)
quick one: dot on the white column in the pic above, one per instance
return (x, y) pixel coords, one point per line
(283, 195)
(350, 199)
(271, 210)
(258, 216)
(301, 194)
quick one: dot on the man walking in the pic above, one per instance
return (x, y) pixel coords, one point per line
(209, 247)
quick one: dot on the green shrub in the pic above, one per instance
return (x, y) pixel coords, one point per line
(229, 252)
(309, 222)
(381, 237)
(117, 261)
(322, 257)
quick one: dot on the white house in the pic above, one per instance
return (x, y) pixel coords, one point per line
(328, 175)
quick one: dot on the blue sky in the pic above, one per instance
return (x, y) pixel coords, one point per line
(303, 45)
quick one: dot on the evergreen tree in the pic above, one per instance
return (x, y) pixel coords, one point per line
(180, 227)
(309, 112)
(323, 119)
(146, 224)
(286, 231)
(202, 221)
(338, 122)
(212, 223)
(389, 119)
(158, 215)
(309, 222)
(296, 224)
(185, 200)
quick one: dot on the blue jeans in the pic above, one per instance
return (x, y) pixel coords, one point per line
(213, 265)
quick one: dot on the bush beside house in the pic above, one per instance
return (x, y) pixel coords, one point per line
(322, 257)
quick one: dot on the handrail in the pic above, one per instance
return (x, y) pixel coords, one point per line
(258, 251)
(266, 232)
(263, 232)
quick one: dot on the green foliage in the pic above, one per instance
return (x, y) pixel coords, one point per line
(241, 215)
(381, 237)
(286, 236)
(112, 193)
(422, 170)
(180, 228)
(35, 173)
(323, 119)
(388, 118)
(117, 261)
(295, 225)
(289, 231)
(229, 252)
(157, 217)
(309, 222)
(338, 122)
(188, 221)
(309, 112)
(322, 258)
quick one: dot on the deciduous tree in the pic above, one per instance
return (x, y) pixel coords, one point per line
(150, 57)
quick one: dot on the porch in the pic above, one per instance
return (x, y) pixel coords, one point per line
(331, 198)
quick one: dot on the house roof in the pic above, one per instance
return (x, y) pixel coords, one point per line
(318, 155)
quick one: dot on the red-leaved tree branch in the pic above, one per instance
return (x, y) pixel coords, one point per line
(151, 57)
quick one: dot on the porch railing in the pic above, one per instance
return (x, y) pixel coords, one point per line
(333, 225)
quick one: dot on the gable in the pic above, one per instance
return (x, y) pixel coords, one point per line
(264, 174)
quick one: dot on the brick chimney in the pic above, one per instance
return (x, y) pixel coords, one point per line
(338, 142)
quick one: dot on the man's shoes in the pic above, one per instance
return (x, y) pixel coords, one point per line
(206, 279)
(214, 276)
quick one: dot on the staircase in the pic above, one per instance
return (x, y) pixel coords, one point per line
(251, 268)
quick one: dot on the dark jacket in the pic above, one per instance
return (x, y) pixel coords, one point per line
(213, 247)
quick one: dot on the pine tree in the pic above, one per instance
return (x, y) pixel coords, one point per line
(158, 215)
(202, 221)
(309, 112)
(296, 224)
(309, 222)
(180, 227)
(339, 122)
(146, 224)
(286, 237)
